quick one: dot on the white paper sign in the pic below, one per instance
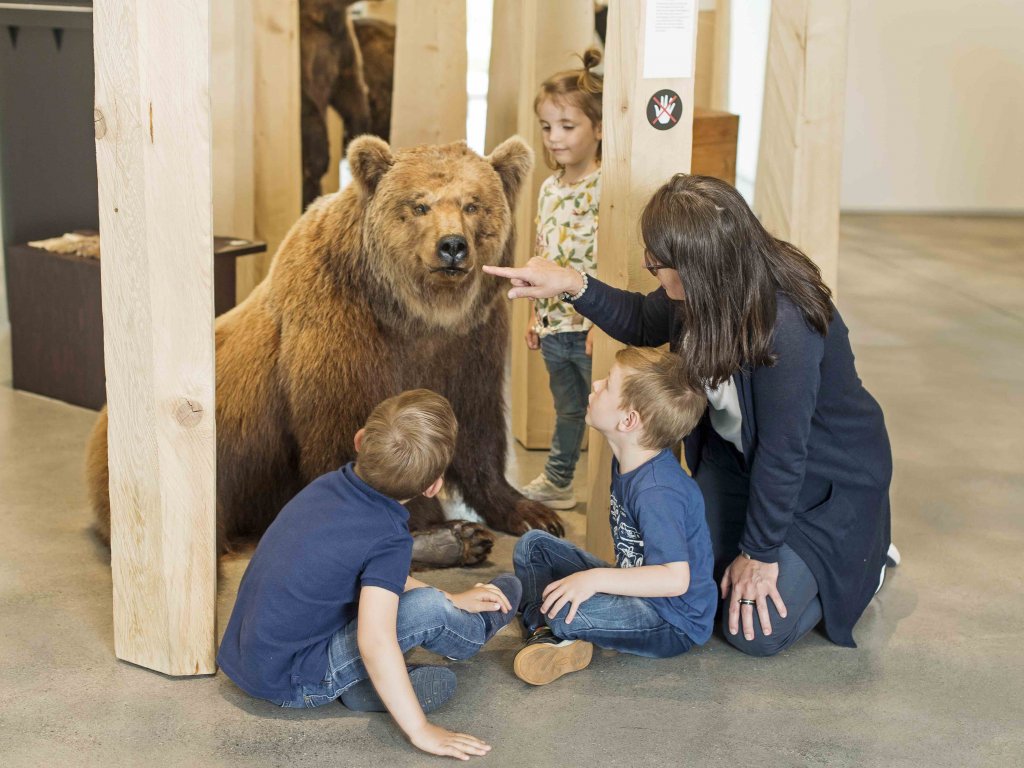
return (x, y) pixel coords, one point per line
(668, 38)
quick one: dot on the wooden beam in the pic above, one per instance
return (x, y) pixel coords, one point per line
(231, 101)
(153, 158)
(551, 36)
(504, 72)
(639, 158)
(720, 57)
(331, 181)
(796, 193)
(277, 132)
(428, 105)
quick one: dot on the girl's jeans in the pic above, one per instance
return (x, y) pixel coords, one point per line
(565, 357)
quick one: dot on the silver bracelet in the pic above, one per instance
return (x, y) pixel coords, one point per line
(571, 297)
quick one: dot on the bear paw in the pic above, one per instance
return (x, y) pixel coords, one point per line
(532, 515)
(455, 543)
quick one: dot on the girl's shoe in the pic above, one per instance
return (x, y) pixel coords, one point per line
(545, 657)
(543, 490)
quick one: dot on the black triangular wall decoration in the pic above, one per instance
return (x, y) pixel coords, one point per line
(12, 32)
(58, 37)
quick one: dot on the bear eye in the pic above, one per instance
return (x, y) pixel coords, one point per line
(420, 209)
(470, 208)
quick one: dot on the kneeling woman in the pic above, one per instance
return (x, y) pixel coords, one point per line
(792, 456)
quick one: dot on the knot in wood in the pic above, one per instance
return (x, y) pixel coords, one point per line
(99, 123)
(188, 412)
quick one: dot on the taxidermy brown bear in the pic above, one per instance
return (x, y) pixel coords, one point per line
(376, 289)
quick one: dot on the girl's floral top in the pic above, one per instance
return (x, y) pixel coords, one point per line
(567, 235)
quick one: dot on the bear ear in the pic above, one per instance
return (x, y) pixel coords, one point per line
(370, 158)
(512, 159)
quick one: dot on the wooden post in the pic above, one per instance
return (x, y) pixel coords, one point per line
(277, 132)
(639, 158)
(153, 154)
(428, 105)
(719, 97)
(331, 181)
(231, 97)
(504, 72)
(796, 193)
(551, 37)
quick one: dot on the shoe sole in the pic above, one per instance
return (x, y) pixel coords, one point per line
(559, 504)
(433, 687)
(543, 663)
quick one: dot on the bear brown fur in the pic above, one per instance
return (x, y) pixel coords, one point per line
(362, 302)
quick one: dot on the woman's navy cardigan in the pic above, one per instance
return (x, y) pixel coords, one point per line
(814, 441)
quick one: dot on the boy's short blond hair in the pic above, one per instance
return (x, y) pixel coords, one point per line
(655, 385)
(408, 443)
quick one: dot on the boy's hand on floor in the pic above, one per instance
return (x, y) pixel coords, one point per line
(576, 588)
(482, 597)
(438, 741)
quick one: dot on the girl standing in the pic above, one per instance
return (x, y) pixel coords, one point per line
(568, 106)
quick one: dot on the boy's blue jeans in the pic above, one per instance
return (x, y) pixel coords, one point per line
(425, 618)
(626, 624)
(569, 366)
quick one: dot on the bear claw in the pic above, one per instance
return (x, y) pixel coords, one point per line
(454, 543)
(532, 515)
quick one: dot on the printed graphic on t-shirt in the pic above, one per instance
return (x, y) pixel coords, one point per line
(629, 547)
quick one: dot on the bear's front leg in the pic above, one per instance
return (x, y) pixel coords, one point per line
(478, 471)
(478, 468)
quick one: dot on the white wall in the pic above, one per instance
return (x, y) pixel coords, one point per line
(748, 51)
(935, 106)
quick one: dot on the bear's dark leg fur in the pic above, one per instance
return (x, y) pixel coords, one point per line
(478, 468)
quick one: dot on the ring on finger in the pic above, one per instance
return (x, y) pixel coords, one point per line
(746, 601)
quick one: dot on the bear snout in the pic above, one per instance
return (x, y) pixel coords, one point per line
(452, 251)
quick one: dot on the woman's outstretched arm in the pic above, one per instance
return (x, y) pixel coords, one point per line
(629, 317)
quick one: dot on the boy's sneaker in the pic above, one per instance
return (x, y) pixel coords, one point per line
(543, 490)
(512, 588)
(545, 657)
(433, 687)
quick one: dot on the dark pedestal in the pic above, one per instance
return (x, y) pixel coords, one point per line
(57, 318)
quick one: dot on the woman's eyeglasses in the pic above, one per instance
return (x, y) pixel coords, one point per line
(653, 268)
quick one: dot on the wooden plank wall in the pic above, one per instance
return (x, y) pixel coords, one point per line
(155, 198)
(796, 193)
(430, 48)
(638, 159)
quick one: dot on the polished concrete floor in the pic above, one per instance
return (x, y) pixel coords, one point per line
(936, 310)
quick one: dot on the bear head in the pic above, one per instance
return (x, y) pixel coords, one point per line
(432, 217)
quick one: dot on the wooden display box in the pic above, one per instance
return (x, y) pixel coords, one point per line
(714, 144)
(57, 318)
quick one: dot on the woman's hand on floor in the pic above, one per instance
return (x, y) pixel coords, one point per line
(747, 579)
(539, 279)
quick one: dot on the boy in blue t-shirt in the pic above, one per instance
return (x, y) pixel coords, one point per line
(327, 609)
(660, 599)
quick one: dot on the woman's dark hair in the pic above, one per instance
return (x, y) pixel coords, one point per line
(730, 268)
